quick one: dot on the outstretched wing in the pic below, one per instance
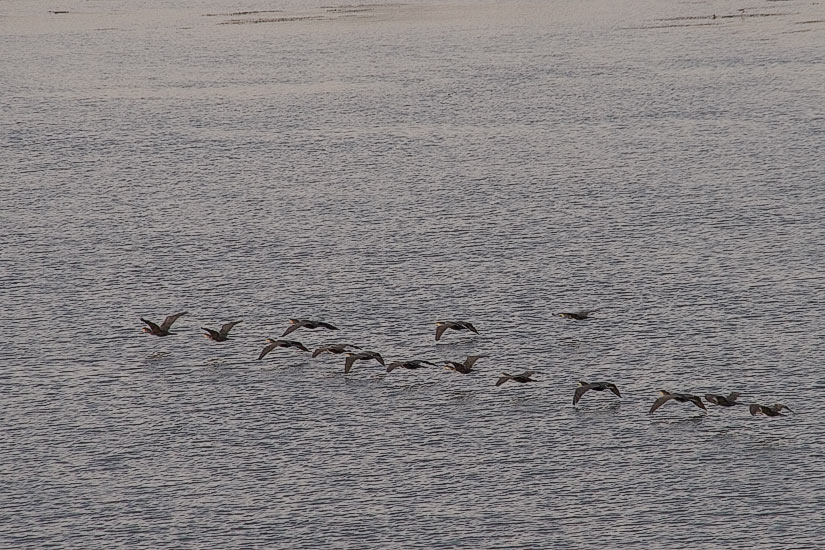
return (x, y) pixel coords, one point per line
(439, 330)
(292, 328)
(697, 401)
(504, 378)
(267, 349)
(319, 351)
(326, 325)
(167, 323)
(225, 328)
(152, 325)
(299, 345)
(471, 360)
(614, 389)
(579, 392)
(348, 363)
(755, 409)
(213, 333)
(377, 357)
(659, 402)
(469, 326)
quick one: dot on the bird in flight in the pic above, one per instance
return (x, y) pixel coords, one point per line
(220, 335)
(163, 329)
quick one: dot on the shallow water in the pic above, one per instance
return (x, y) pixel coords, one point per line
(381, 167)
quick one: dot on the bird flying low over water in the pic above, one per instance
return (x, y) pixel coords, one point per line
(281, 344)
(466, 367)
(295, 324)
(577, 315)
(522, 378)
(410, 365)
(222, 334)
(441, 326)
(723, 401)
(680, 397)
(335, 349)
(772, 410)
(361, 356)
(595, 386)
(163, 329)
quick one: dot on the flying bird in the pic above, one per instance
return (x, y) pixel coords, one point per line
(163, 329)
(680, 397)
(335, 349)
(441, 326)
(772, 410)
(281, 344)
(522, 378)
(577, 315)
(595, 386)
(723, 401)
(410, 365)
(466, 367)
(222, 334)
(361, 356)
(295, 324)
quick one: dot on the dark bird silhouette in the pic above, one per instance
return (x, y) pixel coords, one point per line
(222, 334)
(466, 367)
(335, 349)
(522, 378)
(441, 326)
(163, 329)
(680, 397)
(295, 324)
(595, 386)
(361, 356)
(771, 410)
(577, 315)
(281, 344)
(723, 401)
(410, 365)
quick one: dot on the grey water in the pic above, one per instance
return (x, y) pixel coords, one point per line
(382, 166)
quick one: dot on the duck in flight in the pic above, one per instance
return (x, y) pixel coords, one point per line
(163, 329)
(772, 410)
(295, 324)
(442, 326)
(281, 344)
(595, 386)
(335, 349)
(221, 335)
(680, 397)
(410, 365)
(361, 356)
(522, 378)
(466, 367)
(723, 401)
(577, 315)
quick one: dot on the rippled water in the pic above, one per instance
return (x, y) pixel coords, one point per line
(381, 167)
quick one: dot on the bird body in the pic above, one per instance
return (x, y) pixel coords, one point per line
(442, 326)
(772, 410)
(281, 344)
(295, 324)
(335, 349)
(466, 367)
(595, 386)
(361, 356)
(723, 401)
(410, 365)
(522, 378)
(220, 335)
(577, 315)
(163, 328)
(680, 397)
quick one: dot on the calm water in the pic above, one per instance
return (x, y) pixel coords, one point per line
(382, 167)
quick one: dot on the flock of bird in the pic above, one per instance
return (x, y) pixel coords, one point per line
(464, 367)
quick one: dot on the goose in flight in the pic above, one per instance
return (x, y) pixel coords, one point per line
(295, 324)
(577, 315)
(442, 326)
(595, 386)
(281, 344)
(361, 356)
(522, 378)
(221, 335)
(723, 401)
(163, 329)
(335, 349)
(772, 410)
(466, 367)
(680, 397)
(410, 365)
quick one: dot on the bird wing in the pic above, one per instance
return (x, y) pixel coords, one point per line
(755, 409)
(225, 328)
(614, 389)
(504, 378)
(267, 349)
(319, 351)
(152, 325)
(471, 360)
(394, 365)
(297, 344)
(348, 363)
(659, 402)
(377, 357)
(213, 333)
(439, 330)
(293, 327)
(579, 392)
(167, 323)
(697, 401)
(469, 326)
(326, 325)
